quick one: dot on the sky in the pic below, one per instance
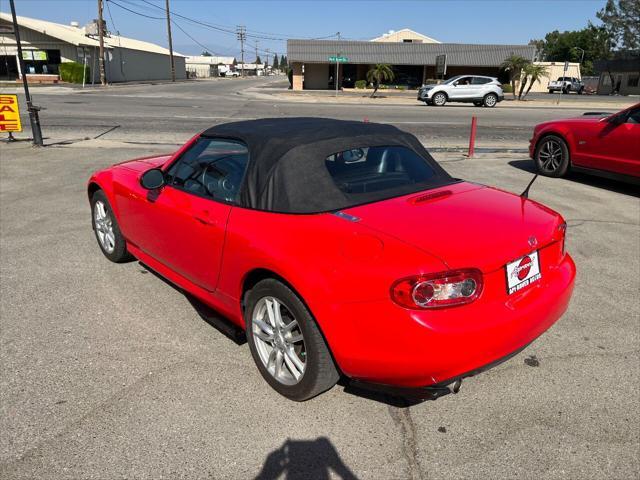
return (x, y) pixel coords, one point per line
(269, 22)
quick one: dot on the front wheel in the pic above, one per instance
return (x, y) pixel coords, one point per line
(581, 91)
(490, 100)
(552, 156)
(106, 229)
(285, 342)
(439, 99)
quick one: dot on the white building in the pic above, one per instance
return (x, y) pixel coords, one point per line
(46, 45)
(200, 66)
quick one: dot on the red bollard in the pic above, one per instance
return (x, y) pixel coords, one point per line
(472, 137)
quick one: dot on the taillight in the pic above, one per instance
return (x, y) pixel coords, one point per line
(435, 290)
(562, 228)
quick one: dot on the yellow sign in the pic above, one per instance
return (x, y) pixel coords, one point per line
(9, 113)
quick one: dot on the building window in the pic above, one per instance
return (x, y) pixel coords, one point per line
(632, 81)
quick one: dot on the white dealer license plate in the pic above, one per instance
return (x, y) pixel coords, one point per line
(523, 272)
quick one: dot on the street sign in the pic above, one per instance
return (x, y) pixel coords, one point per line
(9, 114)
(441, 65)
(338, 59)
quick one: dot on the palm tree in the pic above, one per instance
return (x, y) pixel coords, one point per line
(514, 65)
(379, 73)
(524, 78)
(536, 73)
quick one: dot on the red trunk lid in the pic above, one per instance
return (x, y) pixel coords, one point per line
(465, 225)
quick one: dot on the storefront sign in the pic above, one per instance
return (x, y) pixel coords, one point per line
(37, 55)
(441, 65)
(9, 114)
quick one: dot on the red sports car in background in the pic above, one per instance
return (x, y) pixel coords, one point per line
(341, 248)
(606, 146)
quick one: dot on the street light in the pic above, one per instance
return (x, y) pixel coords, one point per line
(581, 56)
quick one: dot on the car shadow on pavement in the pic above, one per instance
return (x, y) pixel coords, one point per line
(305, 459)
(238, 336)
(617, 186)
(208, 314)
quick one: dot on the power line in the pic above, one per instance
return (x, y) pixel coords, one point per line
(132, 11)
(196, 41)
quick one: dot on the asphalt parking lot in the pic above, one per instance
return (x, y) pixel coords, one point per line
(110, 372)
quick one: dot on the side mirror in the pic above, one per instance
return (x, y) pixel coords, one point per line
(152, 179)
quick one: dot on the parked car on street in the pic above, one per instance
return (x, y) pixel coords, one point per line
(232, 73)
(342, 249)
(566, 85)
(476, 89)
(602, 145)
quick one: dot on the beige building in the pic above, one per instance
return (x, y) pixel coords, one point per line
(405, 35)
(46, 45)
(554, 71)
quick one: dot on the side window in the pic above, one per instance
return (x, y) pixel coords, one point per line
(480, 80)
(212, 168)
(634, 116)
(464, 81)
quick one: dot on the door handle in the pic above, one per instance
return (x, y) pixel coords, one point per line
(205, 221)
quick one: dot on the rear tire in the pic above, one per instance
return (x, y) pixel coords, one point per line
(105, 226)
(581, 91)
(439, 99)
(490, 100)
(290, 353)
(552, 156)
(551, 92)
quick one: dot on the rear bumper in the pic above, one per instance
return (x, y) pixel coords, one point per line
(385, 344)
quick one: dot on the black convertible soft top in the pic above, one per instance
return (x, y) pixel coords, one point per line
(287, 171)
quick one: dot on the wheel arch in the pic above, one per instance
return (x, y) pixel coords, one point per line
(252, 277)
(442, 92)
(563, 136)
(92, 188)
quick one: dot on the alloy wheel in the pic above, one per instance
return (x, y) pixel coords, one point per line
(439, 99)
(279, 340)
(550, 156)
(104, 227)
(490, 100)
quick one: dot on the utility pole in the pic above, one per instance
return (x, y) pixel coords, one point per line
(241, 33)
(256, 56)
(268, 53)
(33, 111)
(173, 64)
(103, 78)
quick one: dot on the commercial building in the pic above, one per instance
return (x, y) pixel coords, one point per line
(554, 71)
(620, 76)
(46, 45)
(412, 56)
(205, 66)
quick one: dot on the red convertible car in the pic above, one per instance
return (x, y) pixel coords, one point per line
(342, 249)
(607, 146)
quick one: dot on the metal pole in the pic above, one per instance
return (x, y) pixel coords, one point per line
(84, 66)
(240, 31)
(472, 137)
(337, 73)
(173, 65)
(103, 78)
(33, 111)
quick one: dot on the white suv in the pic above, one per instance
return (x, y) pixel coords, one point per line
(476, 89)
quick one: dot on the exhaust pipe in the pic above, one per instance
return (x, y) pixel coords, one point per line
(455, 388)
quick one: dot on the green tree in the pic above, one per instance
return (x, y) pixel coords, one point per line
(531, 73)
(283, 62)
(258, 61)
(379, 73)
(206, 54)
(513, 65)
(276, 65)
(561, 46)
(621, 20)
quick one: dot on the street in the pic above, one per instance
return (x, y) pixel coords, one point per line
(108, 371)
(170, 114)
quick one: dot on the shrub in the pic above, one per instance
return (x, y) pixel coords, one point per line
(506, 88)
(361, 84)
(401, 87)
(431, 81)
(383, 87)
(72, 72)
